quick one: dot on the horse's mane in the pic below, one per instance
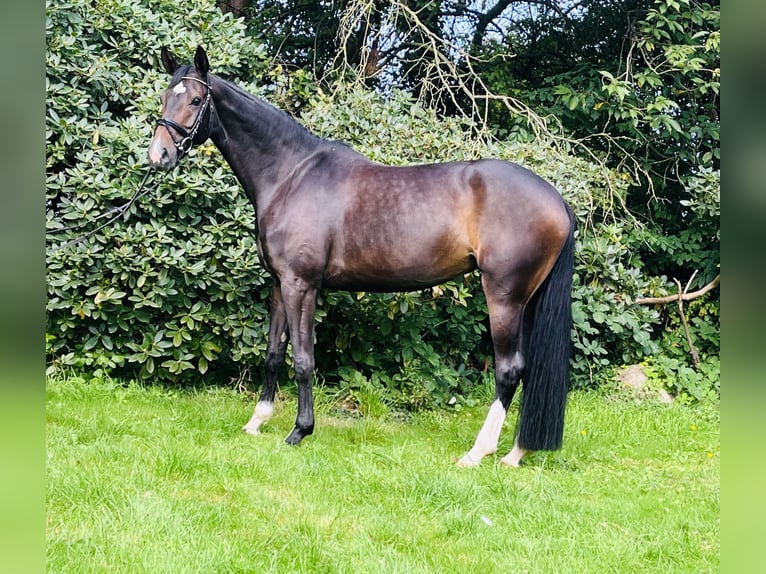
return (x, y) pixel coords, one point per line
(279, 125)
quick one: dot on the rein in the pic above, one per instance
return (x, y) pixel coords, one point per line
(118, 211)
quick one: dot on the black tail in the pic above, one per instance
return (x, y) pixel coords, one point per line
(548, 348)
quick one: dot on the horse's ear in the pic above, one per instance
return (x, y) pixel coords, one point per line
(168, 60)
(200, 62)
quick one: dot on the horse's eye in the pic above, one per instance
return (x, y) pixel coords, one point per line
(196, 101)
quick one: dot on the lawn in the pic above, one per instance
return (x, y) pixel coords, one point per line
(151, 480)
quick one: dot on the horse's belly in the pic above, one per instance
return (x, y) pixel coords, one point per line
(382, 276)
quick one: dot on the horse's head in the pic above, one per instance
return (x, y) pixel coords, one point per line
(186, 110)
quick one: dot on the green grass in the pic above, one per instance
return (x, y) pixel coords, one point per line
(143, 479)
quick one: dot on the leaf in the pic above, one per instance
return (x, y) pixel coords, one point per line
(674, 124)
(599, 317)
(209, 350)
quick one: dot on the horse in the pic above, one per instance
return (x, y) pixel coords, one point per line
(328, 217)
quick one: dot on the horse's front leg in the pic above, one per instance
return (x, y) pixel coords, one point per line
(300, 303)
(275, 357)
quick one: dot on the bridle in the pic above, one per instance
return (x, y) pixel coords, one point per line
(188, 136)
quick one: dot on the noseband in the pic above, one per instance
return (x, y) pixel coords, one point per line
(187, 136)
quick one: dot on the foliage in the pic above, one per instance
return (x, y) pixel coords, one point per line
(650, 109)
(632, 84)
(299, 35)
(671, 368)
(172, 290)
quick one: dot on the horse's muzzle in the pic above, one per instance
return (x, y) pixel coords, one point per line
(160, 156)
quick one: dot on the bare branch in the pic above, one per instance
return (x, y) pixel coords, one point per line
(683, 296)
(692, 348)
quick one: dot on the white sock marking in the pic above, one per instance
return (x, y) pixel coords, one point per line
(262, 414)
(486, 441)
(514, 457)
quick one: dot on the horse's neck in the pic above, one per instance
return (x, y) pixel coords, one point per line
(255, 145)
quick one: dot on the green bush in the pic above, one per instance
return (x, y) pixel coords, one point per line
(172, 291)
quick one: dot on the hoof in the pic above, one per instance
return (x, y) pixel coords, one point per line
(262, 414)
(297, 435)
(513, 458)
(293, 439)
(466, 461)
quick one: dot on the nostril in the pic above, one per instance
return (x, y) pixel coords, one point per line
(159, 156)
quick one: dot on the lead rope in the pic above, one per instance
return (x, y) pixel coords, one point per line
(118, 211)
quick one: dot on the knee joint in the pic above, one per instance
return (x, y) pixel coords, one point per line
(273, 362)
(304, 368)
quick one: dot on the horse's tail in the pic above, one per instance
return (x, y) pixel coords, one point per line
(547, 352)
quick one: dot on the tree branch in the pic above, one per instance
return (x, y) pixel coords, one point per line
(692, 348)
(683, 296)
(485, 19)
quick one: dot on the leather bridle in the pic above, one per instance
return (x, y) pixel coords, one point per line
(188, 136)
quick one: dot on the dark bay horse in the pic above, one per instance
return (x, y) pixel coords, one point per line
(328, 217)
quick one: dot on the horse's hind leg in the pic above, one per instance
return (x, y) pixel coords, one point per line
(505, 318)
(514, 457)
(275, 357)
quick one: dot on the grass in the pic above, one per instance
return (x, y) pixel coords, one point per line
(145, 479)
